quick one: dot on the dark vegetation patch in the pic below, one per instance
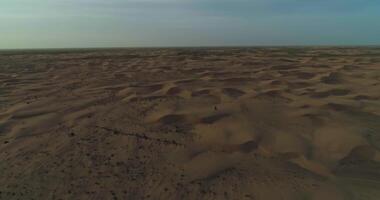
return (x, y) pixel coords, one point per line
(332, 92)
(214, 118)
(233, 92)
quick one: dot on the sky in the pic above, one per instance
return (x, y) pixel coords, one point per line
(154, 23)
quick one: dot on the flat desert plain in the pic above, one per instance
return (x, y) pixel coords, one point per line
(190, 123)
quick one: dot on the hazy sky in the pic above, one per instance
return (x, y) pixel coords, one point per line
(116, 23)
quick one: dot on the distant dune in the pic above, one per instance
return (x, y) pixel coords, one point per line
(222, 123)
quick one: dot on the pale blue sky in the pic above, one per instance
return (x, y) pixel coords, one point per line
(124, 23)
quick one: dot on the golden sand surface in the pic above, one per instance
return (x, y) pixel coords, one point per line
(191, 123)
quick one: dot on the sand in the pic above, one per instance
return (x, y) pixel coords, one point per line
(222, 123)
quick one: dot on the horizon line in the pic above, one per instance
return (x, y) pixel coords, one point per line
(177, 47)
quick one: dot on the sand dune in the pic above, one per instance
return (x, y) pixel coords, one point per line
(232, 123)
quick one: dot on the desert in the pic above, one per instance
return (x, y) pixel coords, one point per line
(263, 123)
